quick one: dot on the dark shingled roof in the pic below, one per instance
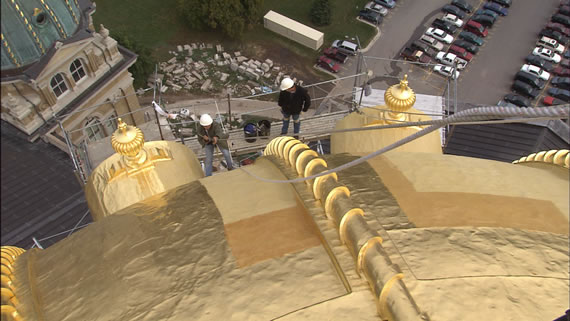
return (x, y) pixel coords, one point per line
(41, 196)
(506, 142)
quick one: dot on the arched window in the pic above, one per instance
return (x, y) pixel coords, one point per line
(94, 129)
(58, 85)
(77, 70)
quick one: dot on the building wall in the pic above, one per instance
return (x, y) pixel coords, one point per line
(30, 104)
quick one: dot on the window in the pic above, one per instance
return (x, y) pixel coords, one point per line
(58, 85)
(77, 70)
(111, 124)
(94, 129)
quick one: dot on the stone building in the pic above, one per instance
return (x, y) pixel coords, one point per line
(57, 69)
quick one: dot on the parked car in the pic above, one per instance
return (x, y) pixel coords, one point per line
(335, 54)
(476, 28)
(564, 10)
(559, 27)
(463, 5)
(487, 12)
(562, 94)
(566, 53)
(546, 54)
(504, 3)
(467, 46)
(551, 101)
(497, 8)
(565, 63)
(371, 16)
(460, 52)
(454, 10)
(444, 25)
(386, 3)
(449, 17)
(525, 89)
(407, 53)
(530, 79)
(534, 70)
(471, 37)
(446, 71)
(553, 34)
(449, 59)
(432, 42)
(372, 6)
(346, 47)
(550, 44)
(439, 35)
(504, 103)
(420, 56)
(327, 64)
(517, 100)
(561, 71)
(560, 18)
(419, 45)
(539, 62)
(563, 82)
(485, 20)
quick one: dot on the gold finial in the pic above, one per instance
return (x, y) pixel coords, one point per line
(399, 98)
(129, 141)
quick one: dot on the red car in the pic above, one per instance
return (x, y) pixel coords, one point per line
(561, 71)
(328, 64)
(549, 101)
(476, 28)
(333, 53)
(460, 52)
(558, 27)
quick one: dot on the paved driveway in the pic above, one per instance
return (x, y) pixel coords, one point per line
(490, 74)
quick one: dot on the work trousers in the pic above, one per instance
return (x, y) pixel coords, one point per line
(296, 123)
(209, 149)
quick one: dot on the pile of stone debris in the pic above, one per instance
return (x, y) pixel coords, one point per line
(199, 66)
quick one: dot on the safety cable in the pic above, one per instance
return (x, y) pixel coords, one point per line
(474, 114)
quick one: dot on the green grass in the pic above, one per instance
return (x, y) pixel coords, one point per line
(156, 25)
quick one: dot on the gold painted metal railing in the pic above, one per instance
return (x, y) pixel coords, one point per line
(10, 303)
(393, 299)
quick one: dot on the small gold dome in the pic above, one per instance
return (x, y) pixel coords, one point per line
(127, 140)
(400, 97)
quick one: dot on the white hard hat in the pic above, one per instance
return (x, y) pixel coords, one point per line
(206, 120)
(286, 83)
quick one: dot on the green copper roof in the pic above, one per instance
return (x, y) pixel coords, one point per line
(30, 28)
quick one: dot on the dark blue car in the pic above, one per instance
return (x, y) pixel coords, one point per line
(497, 8)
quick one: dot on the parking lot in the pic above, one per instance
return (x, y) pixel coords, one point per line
(489, 75)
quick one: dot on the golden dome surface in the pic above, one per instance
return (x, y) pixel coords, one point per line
(400, 97)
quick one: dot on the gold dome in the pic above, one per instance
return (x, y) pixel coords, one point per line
(128, 141)
(400, 97)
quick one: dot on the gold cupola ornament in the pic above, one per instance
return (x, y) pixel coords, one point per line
(129, 141)
(399, 98)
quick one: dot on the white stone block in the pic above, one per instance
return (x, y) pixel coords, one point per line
(197, 75)
(217, 57)
(172, 60)
(226, 55)
(265, 67)
(233, 66)
(163, 89)
(241, 69)
(179, 48)
(178, 71)
(176, 87)
(206, 85)
(237, 53)
(269, 62)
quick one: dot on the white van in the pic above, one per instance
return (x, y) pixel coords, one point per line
(550, 44)
(346, 47)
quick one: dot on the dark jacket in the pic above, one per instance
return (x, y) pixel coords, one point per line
(214, 131)
(293, 103)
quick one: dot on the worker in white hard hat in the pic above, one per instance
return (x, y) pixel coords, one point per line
(292, 99)
(210, 134)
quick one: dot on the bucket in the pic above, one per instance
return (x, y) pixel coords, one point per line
(264, 128)
(250, 130)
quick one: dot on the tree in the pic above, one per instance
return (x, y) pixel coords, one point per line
(321, 12)
(229, 16)
(144, 66)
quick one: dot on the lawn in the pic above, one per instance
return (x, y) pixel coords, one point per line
(157, 25)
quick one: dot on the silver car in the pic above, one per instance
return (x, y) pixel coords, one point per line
(372, 6)
(432, 42)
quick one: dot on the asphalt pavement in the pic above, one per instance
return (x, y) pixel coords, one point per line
(488, 76)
